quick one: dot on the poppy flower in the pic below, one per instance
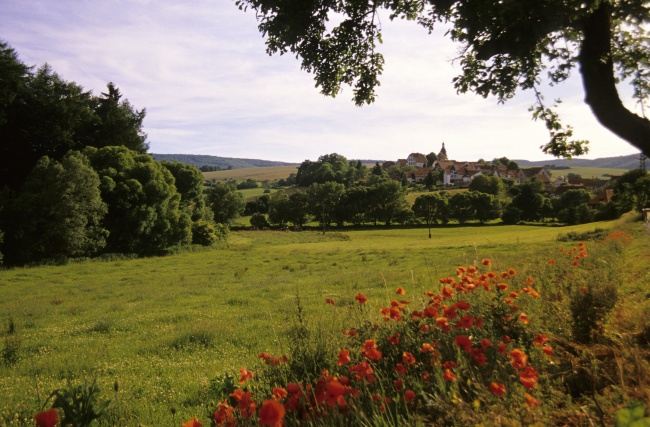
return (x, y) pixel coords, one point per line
(408, 358)
(503, 286)
(409, 396)
(224, 415)
(271, 413)
(279, 393)
(464, 342)
(393, 339)
(486, 262)
(528, 377)
(401, 369)
(497, 389)
(330, 301)
(523, 318)
(361, 298)
(540, 339)
(431, 311)
(400, 291)
(427, 348)
(245, 375)
(502, 348)
(449, 375)
(344, 357)
(398, 384)
(530, 400)
(194, 422)
(335, 392)
(548, 350)
(370, 350)
(447, 292)
(48, 418)
(519, 359)
(462, 305)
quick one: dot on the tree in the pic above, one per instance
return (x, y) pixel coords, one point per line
(487, 184)
(429, 180)
(572, 208)
(529, 200)
(505, 46)
(226, 202)
(144, 213)
(461, 207)
(57, 214)
(189, 182)
(328, 167)
(385, 199)
(431, 158)
(323, 200)
(428, 207)
(353, 206)
(486, 206)
(299, 208)
(279, 208)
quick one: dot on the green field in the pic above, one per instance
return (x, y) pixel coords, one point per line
(260, 174)
(166, 328)
(589, 173)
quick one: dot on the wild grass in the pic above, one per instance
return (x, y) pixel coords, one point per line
(170, 329)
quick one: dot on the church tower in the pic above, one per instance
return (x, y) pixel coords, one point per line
(442, 155)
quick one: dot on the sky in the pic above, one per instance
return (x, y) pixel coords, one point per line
(201, 70)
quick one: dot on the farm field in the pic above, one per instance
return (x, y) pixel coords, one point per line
(169, 330)
(260, 174)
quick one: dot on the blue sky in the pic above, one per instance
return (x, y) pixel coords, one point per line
(201, 70)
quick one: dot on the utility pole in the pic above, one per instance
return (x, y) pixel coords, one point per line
(642, 158)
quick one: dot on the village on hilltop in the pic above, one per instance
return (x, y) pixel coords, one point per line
(461, 173)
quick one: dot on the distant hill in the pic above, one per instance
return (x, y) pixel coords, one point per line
(621, 162)
(199, 160)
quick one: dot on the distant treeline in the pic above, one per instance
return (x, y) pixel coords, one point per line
(213, 163)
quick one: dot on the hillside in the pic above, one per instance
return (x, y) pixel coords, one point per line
(621, 162)
(222, 162)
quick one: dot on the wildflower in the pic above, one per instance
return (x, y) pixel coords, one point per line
(551, 262)
(530, 400)
(279, 393)
(513, 295)
(246, 406)
(398, 384)
(335, 394)
(363, 371)
(449, 375)
(528, 377)
(427, 348)
(503, 286)
(465, 322)
(497, 389)
(408, 358)
(502, 349)
(271, 414)
(370, 351)
(464, 342)
(430, 311)
(344, 357)
(519, 359)
(462, 305)
(575, 262)
(330, 301)
(48, 418)
(443, 323)
(224, 415)
(478, 323)
(361, 298)
(584, 289)
(548, 350)
(523, 318)
(486, 262)
(351, 332)
(449, 364)
(393, 339)
(479, 357)
(409, 396)
(460, 271)
(450, 312)
(447, 292)
(540, 339)
(401, 369)
(485, 343)
(194, 422)
(530, 280)
(245, 375)
(400, 291)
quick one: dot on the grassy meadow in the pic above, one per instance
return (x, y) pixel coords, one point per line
(170, 330)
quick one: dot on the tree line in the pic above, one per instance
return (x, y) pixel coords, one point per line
(76, 179)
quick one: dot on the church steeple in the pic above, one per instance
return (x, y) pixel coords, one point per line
(442, 155)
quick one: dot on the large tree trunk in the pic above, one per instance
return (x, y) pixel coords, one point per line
(597, 71)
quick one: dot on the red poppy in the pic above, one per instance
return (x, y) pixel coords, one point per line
(370, 350)
(361, 298)
(462, 305)
(194, 422)
(409, 396)
(393, 339)
(497, 389)
(530, 400)
(48, 418)
(330, 301)
(279, 393)
(271, 413)
(398, 384)
(486, 262)
(528, 377)
(401, 369)
(344, 357)
(427, 348)
(519, 359)
(335, 392)
(408, 358)
(449, 375)
(464, 342)
(400, 291)
(447, 292)
(523, 318)
(548, 350)
(245, 375)
(503, 286)
(224, 415)
(540, 339)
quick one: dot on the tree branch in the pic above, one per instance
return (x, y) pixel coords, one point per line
(597, 70)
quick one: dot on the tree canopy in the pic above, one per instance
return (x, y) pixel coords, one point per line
(505, 46)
